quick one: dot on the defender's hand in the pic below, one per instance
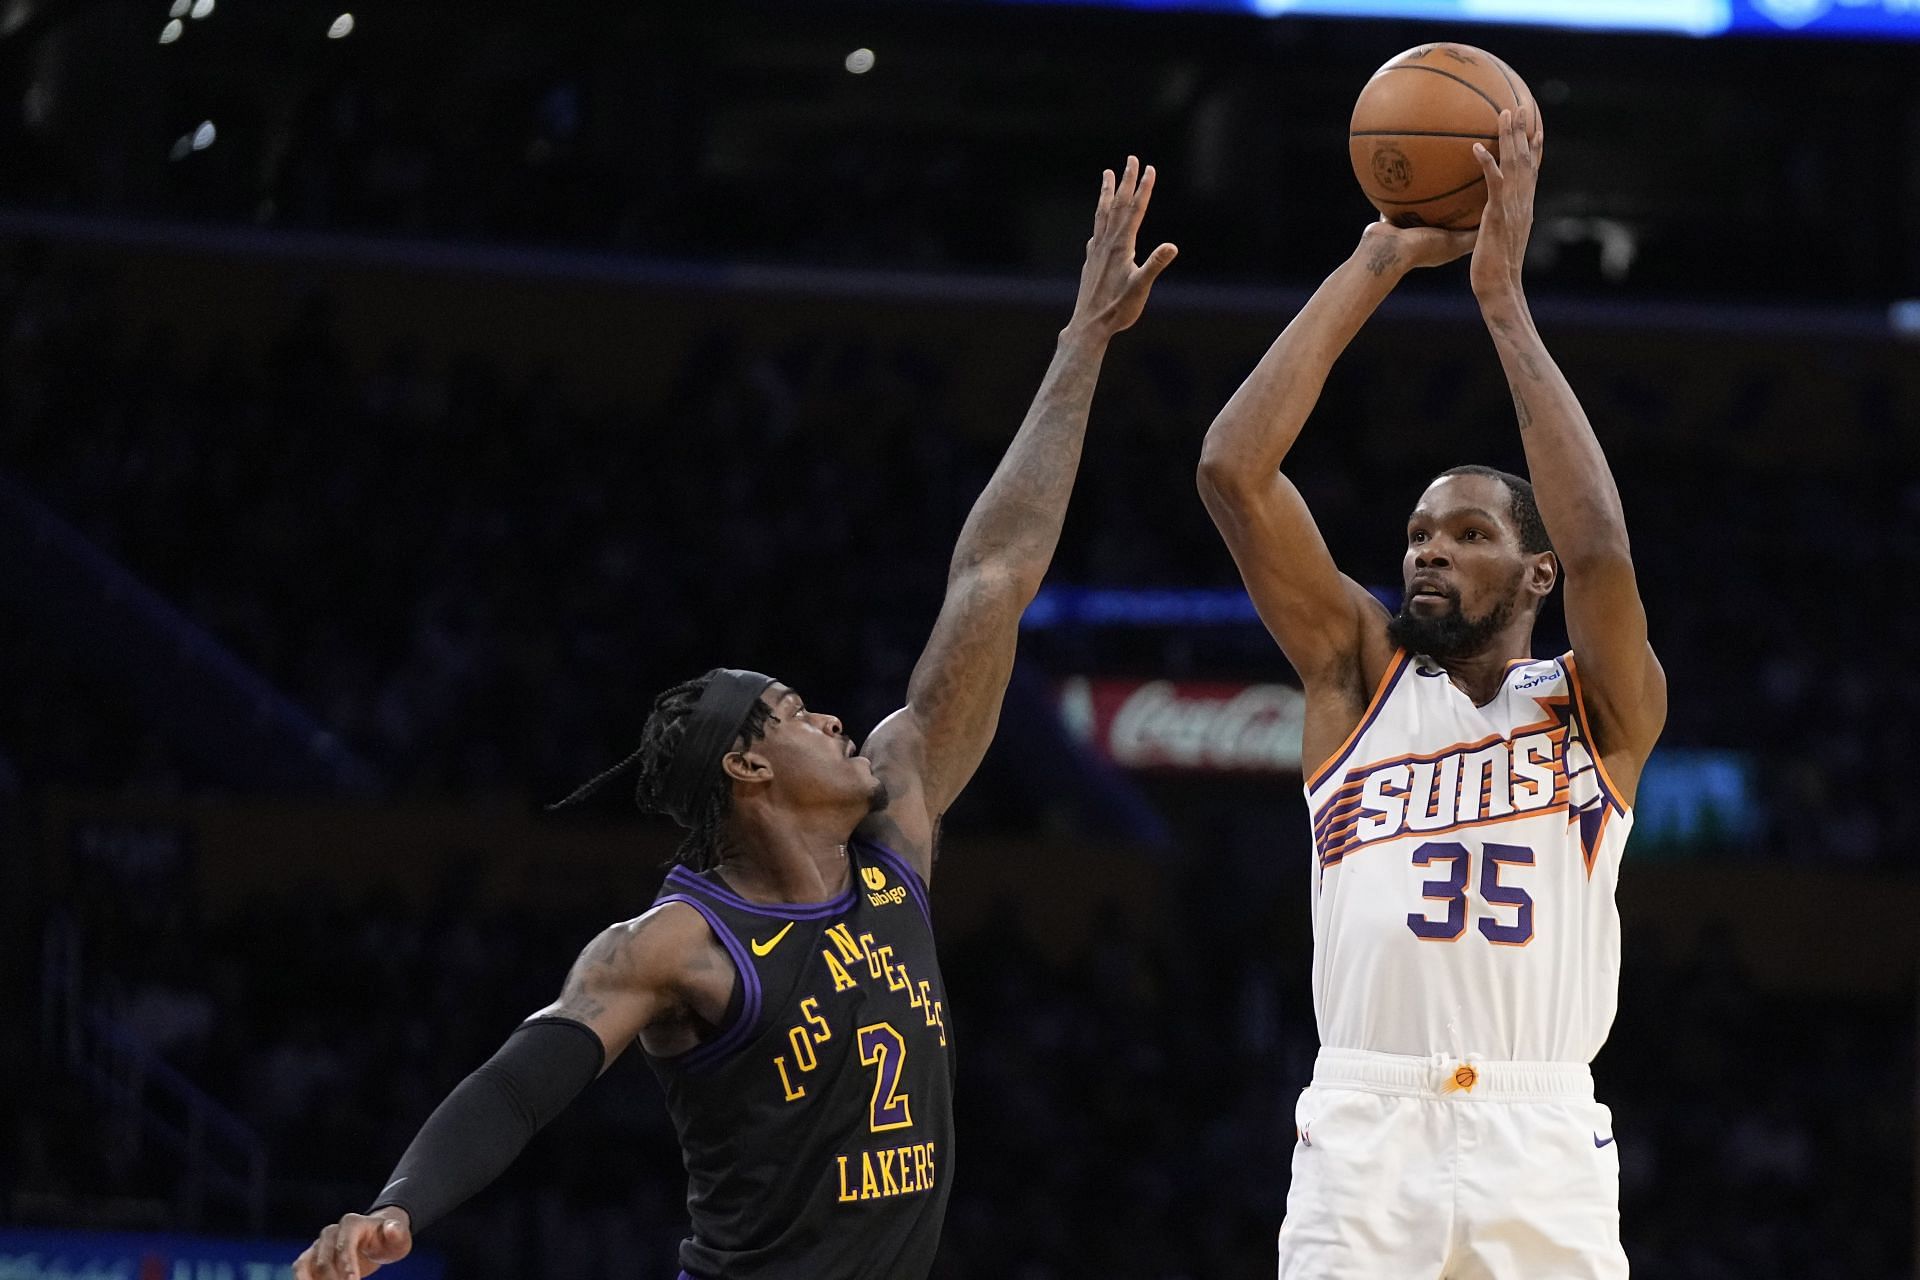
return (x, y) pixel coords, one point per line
(1508, 220)
(1113, 291)
(1385, 248)
(358, 1245)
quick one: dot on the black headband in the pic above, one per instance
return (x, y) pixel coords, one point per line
(716, 721)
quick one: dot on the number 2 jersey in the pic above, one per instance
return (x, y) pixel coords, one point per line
(817, 1126)
(1465, 859)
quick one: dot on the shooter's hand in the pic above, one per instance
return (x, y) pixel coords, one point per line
(356, 1246)
(1113, 290)
(1389, 250)
(1508, 219)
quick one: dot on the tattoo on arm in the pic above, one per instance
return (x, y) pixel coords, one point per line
(1002, 554)
(1531, 364)
(1520, 412)
(1016, 520)
(603, 966)
(1382, 256)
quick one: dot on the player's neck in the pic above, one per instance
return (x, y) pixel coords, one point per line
(1481, 675)
(788, 860)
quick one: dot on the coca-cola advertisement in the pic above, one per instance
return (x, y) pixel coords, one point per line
(1187, 725)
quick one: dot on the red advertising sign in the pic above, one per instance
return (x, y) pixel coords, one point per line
(1187, 725)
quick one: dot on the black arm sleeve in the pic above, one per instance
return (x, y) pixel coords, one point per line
(480, 1129)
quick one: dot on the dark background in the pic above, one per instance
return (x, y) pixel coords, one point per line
(366, 471)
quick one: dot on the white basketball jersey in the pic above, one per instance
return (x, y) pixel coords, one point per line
(1464, 869)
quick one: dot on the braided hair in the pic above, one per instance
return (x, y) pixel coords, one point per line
(660, 740)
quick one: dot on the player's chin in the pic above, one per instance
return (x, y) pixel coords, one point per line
(877, 796)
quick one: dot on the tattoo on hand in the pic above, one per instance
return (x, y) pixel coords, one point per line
(1382, 256)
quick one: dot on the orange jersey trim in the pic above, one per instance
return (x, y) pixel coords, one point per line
(1586, 732)
(1388, 679)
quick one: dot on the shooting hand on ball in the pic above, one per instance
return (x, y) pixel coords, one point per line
(1508, 219)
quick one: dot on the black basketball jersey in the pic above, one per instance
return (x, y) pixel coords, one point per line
(817, 1126)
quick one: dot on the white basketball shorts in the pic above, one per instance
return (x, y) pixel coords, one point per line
(1441, 1169)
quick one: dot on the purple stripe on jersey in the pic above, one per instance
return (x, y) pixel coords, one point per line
(904, 871)
(778, 910)
(728, 1040)
(1332, 766)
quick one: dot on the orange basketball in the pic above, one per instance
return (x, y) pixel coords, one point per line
(1413, 130)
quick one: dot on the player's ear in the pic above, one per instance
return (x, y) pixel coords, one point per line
(1542, 573)
(747, 766)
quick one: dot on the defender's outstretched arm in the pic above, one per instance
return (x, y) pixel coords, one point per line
(927, 751)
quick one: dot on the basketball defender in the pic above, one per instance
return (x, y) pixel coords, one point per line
(1469, 802)
(784, 986)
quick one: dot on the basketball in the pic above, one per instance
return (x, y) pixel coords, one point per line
(1413, 130)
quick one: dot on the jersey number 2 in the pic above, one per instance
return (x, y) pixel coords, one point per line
(1452, 890)
(882, 1047)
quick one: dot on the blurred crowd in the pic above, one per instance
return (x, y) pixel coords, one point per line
(1124, 1112)
(477, 580)
(475, 570)
(739, 131)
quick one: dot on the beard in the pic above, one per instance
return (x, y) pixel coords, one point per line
(878, 798)
(1451, 634)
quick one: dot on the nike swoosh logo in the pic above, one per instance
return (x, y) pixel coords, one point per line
(1599, 1141)
(391, 1185)
(762, 948)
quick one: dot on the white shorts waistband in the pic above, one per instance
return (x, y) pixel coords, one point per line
(1462, 1079)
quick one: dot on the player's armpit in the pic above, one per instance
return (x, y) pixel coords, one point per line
(922, 776)
(1621, 684)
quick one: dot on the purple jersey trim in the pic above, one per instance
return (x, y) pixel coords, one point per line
(729, 1040)
(904, 870)
(686, 879)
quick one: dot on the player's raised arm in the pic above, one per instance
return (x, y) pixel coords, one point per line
(928, 750)
(1623, 686)
(1331, 630)
(633, 977)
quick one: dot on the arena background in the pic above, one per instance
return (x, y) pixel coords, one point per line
(390, 405)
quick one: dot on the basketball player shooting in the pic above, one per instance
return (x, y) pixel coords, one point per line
(784, 986)
(1469, 802)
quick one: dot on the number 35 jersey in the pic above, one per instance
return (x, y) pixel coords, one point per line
(817, 1126)
(1465, 859)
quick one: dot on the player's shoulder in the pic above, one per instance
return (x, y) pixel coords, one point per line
(668, 936)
